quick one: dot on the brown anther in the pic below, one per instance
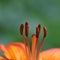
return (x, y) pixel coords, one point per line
(39, 26)
(21, 29)
(26, 29)
(45, 31)
(38, 30)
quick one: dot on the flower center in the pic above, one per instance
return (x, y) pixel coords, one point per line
(35, 52)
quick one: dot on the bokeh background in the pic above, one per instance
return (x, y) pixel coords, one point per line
(15, 12)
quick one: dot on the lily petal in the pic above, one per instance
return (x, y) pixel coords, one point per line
(51, 54)
(14, 52)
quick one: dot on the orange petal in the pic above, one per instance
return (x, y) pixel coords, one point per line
(26, 49)
(17, 53)
(56, 55)
(52, 54)
(14, 51)
(4, 51)
(17, 44)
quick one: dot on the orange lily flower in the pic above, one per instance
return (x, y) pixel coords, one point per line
(22, 51)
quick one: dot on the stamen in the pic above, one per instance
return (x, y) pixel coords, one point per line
(21, 29)
(26, 29)
(45, 33)
(26, 40)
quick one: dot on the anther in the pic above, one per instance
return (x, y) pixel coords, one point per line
(38, 30)
(26, 29)
(39, 26)
(21, 29)
(45, 31)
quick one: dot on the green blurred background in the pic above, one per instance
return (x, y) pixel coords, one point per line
(15, 12)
